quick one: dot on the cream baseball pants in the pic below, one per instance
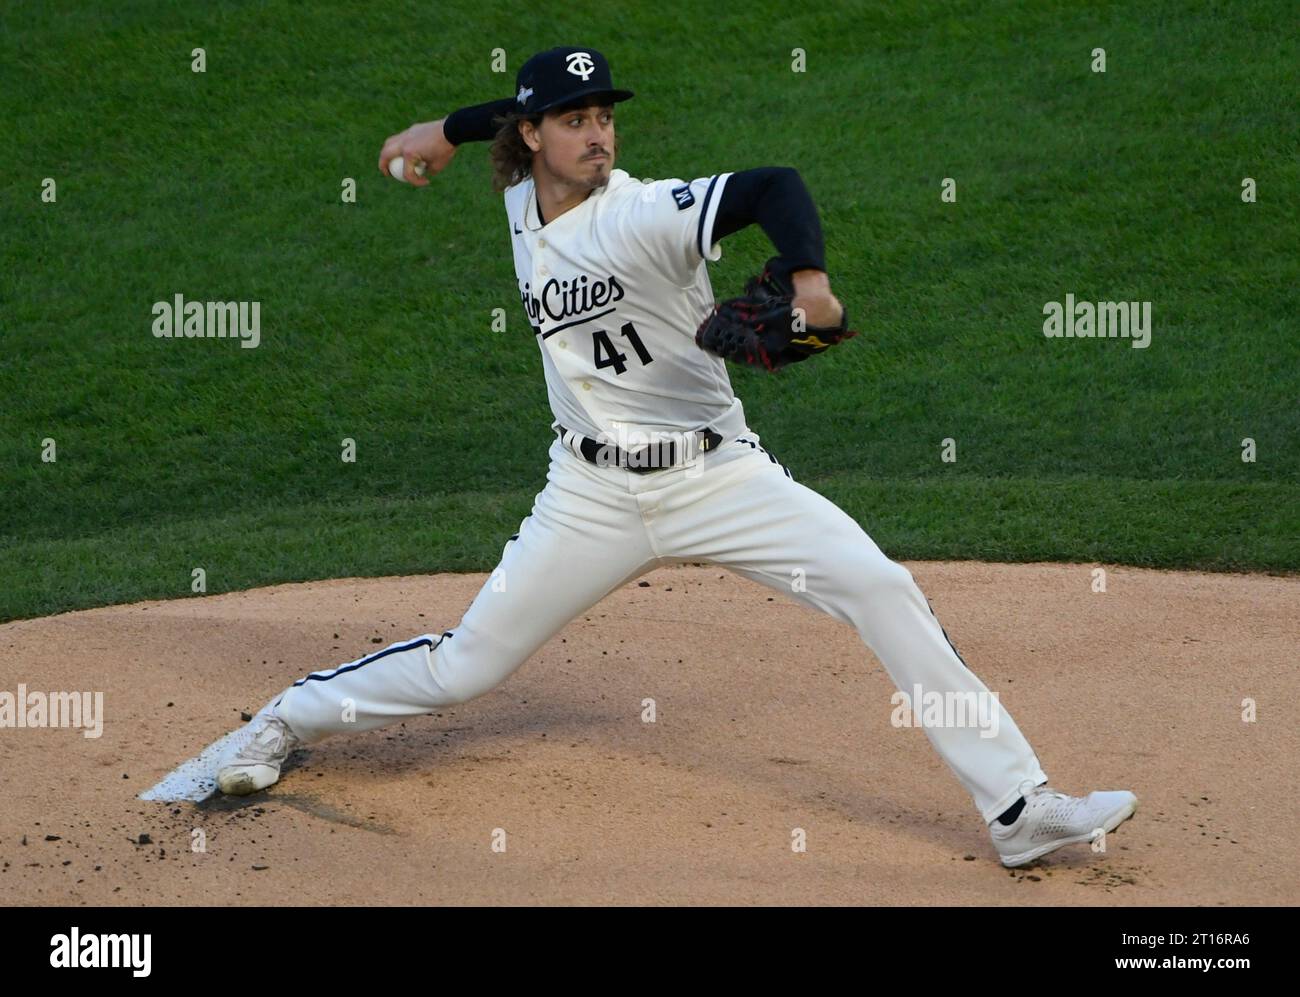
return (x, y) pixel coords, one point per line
(593, 529)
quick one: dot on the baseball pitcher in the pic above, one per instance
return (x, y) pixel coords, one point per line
(654, 461)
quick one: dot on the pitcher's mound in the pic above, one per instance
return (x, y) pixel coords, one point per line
(700, 739)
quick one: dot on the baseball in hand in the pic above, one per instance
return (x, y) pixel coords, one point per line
(397, 168)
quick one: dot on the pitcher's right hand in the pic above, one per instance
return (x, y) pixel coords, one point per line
(424, 142)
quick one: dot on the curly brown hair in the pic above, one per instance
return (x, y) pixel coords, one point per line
(512, 160)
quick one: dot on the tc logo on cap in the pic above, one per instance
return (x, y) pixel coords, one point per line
(580, 64)
(562, 75)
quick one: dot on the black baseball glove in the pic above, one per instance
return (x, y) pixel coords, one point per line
(761, 329)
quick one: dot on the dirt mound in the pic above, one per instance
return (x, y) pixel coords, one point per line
(769, 718)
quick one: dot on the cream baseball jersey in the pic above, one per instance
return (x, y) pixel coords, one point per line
(614, 290)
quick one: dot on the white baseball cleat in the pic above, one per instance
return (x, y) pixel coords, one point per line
(1051, 819)
(257, 764)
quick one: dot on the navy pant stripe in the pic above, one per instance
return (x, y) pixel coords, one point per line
(343, 669)
(770, 456)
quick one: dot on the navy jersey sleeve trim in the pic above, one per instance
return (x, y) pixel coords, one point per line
(474, 124)
(704, 217)
(777, 198)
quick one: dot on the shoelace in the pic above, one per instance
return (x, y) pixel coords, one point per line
(266, 743)
(1057, 810)
(1040, 792)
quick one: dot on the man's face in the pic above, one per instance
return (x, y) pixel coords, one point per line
(577, 146)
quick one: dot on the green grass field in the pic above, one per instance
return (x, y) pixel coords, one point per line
(375, 322)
